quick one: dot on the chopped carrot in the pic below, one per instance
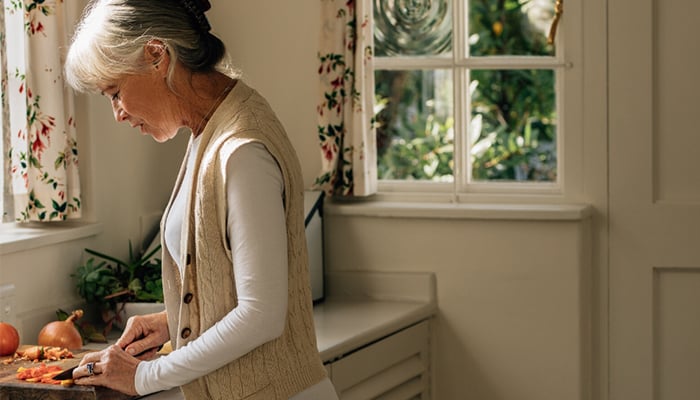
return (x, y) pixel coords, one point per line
(41, 373)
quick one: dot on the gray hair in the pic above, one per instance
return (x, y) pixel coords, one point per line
(110, 38)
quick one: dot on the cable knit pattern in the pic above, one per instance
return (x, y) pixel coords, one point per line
(290, 363)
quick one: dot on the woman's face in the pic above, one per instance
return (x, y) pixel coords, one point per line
(145, 102)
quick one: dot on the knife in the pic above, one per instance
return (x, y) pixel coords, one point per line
(65, 374)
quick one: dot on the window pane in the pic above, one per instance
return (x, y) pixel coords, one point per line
(412, 27)
(513, 125)
(510, 27)
(415, 122)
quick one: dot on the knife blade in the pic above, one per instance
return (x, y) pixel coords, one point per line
(65, 374)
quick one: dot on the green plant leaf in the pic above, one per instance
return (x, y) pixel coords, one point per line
(112, 280)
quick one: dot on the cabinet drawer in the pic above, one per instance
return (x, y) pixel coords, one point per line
(396, 367)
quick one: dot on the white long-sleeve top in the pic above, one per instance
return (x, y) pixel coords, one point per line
(257, 236)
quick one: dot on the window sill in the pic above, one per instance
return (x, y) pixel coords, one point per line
(23, 237)
(488, 211)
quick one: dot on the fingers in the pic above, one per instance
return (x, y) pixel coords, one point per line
(90, 357)
(138, 348)
(89, 369)
(143, 347)
(88, 365)
(111, 367)
(144, 332)
(131, 332)
(124, 384)
(147, 354)
(87, 381)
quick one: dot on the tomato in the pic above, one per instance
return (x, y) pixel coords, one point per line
(9, 339)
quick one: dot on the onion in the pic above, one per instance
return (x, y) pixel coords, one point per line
(62, 333)
(9, 339)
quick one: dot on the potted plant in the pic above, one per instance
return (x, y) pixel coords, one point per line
(116, 285)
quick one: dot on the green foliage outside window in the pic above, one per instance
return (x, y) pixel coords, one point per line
(516, 138)
(513, 112)
(414, 140)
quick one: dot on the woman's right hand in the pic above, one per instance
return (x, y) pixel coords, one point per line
(144, 334)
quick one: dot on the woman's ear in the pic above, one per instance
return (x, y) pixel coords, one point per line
(156, 53)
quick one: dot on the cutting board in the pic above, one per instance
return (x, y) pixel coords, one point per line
(12, 388)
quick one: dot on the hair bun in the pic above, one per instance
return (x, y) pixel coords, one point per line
(197, 9)
(204, 5)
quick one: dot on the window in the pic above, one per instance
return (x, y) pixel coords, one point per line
(470, 98)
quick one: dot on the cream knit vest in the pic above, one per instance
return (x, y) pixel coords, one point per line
(286, 365)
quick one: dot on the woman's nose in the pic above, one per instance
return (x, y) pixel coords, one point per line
(119, 114)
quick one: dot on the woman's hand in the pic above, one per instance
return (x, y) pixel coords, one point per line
(111, 367)
(144, 334)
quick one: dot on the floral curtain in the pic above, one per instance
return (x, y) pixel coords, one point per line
(40, 147)
(345, 111)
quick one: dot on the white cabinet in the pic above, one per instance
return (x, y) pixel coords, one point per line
(396, 367)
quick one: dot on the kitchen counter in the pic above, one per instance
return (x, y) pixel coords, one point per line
(364, 308)
(343, 326)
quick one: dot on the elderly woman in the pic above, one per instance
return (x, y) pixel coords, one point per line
(238, 304)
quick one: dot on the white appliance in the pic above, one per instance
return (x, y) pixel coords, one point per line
(313, 211)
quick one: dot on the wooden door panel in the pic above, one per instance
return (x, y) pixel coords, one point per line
(654, 189)
(677, 327)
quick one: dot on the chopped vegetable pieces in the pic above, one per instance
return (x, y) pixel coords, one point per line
(39, 353)
(42, 374)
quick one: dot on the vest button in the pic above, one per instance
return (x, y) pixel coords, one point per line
(188, 298)
(188, 259)
(185, 333)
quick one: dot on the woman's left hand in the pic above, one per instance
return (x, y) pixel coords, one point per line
(111, 367)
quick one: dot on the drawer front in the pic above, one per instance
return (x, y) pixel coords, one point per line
(396, 367)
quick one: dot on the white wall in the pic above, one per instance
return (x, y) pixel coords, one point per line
(512, 298)
(275, 45)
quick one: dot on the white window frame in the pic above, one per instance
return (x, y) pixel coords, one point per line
(567, 62)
